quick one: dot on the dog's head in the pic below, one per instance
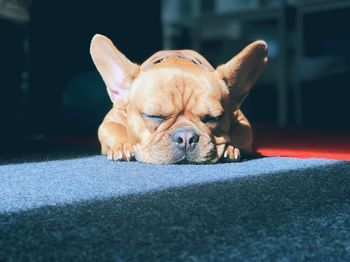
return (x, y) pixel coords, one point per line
(179, 108)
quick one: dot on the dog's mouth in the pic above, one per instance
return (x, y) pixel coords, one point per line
(205, 152)
(209, 158)
(184, 158)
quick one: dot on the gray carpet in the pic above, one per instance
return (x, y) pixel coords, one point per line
(90, 209)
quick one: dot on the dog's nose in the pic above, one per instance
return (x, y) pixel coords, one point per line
(185, 138)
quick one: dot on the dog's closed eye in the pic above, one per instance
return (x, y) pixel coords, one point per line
(155, 118)
(208, 119)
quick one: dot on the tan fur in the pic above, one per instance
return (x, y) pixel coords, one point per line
(183, 87)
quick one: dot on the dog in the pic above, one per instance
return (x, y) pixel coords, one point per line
(176, 107)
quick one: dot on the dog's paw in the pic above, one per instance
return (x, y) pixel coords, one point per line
(122, 152)
(231, 154)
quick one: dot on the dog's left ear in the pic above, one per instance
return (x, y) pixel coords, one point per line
(117, 71)
(242, 71)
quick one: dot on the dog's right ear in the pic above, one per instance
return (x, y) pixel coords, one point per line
(116, 70)
(242, 71)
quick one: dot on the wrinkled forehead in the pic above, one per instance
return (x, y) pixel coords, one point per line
(171, 90)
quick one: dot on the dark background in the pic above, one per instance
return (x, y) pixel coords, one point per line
(58, 38)
(50, 88)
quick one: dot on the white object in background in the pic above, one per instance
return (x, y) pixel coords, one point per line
(15, 10)
(223, 6)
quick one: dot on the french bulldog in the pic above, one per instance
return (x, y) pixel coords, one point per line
(176, 107)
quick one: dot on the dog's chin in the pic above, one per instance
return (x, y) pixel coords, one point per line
(185, 161)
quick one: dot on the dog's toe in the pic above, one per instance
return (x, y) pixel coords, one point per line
(232, 154)
(129, 151)
(115, 153)
(121, 152)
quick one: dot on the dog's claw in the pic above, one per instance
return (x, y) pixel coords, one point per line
(237, 154)
(232, 154)
(109, 156)
(121, 152)
(118, 156)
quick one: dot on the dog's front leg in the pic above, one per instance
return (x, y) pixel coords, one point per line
(114, 141)
(241, 138)
(241, 133)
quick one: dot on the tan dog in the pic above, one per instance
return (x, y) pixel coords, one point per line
(176, 107)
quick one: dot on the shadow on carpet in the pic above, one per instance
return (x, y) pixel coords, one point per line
(294, 215)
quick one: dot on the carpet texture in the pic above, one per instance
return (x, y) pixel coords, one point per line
(90, 209)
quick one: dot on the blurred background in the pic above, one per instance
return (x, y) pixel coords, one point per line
(52, 94)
